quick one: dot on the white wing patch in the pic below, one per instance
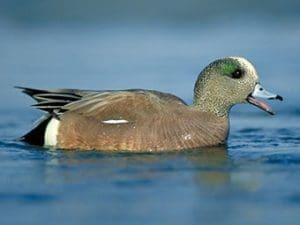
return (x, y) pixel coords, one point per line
(50, 138)
(115, 121)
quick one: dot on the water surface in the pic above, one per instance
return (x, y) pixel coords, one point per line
(255, 179)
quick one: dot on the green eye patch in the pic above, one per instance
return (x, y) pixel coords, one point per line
(225, 67)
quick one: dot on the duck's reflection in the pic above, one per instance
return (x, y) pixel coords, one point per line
(211, 165)
(208, 167)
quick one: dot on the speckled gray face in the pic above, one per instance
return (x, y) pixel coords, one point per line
(224, 83)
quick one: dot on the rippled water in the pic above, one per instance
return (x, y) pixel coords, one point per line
(255, 179)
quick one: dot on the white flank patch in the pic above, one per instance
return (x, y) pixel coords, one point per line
(51, 132)
(115, 121)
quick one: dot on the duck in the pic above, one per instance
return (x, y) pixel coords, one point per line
(147, 120)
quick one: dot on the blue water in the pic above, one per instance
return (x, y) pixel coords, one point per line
(255, 179)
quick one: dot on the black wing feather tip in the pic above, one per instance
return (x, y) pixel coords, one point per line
(51, 101)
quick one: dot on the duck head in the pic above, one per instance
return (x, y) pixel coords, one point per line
(229, 81)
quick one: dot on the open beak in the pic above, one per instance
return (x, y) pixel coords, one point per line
(260, 92)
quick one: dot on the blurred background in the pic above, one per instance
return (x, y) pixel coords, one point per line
(144, 44)
(160, 45)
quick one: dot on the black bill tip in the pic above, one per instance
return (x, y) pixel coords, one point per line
(279, 97)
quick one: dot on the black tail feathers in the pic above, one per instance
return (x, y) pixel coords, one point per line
(36, 135)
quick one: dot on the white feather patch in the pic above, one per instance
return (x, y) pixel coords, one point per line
(115, 121)
(51, 132)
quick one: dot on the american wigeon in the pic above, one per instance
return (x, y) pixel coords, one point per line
(147, 120)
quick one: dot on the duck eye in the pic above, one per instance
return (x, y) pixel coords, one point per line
(237, 74)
